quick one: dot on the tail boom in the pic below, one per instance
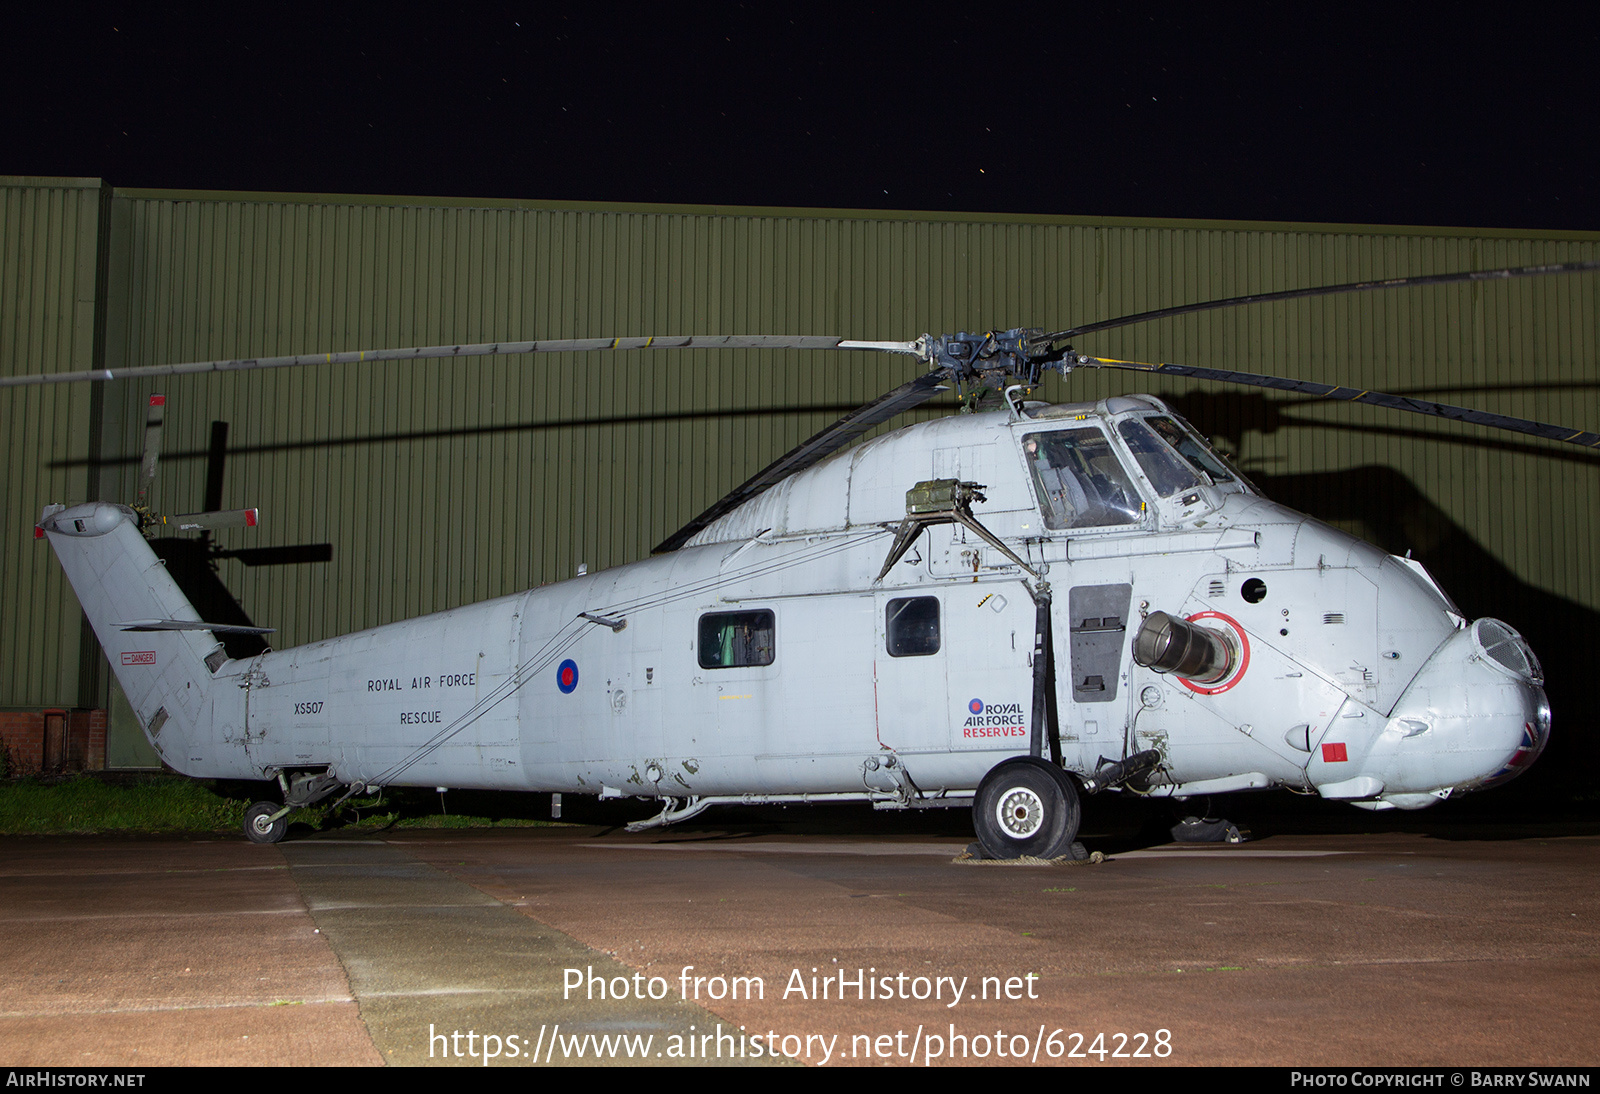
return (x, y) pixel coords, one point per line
(166, 673)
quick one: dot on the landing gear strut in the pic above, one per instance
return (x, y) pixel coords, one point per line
(265, 822)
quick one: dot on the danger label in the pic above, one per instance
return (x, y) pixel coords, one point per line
(139, 657)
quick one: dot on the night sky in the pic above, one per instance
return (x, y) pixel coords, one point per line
(1362, 114)
(1349, 113)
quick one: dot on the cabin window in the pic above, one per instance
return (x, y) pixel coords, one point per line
(730, 640)
(1081, 483)
(911, 626)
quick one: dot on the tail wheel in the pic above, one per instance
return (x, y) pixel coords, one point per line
(259, 827)
(1026, 806)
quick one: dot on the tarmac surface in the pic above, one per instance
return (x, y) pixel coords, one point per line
(1340, 949)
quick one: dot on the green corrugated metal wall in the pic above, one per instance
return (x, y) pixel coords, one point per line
(50, 244)
(441, 483)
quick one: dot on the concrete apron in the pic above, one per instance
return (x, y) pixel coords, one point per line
(445, 974)
(148, 952)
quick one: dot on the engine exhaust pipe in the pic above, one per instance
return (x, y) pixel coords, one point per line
(1166, 643)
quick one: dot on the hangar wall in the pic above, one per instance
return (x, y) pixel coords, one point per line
(442, 483)
(51, 307)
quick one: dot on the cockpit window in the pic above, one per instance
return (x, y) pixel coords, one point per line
(1162, 466)
(1080, 482)
(1190, 448)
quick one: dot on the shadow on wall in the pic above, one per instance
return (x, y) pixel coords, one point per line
(190, 563)
(1385, 508)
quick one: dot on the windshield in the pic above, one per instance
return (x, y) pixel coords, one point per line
(1168, 473)
(1079, 480)
(1191, 448)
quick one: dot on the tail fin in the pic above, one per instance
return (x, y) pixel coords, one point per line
(160, 650)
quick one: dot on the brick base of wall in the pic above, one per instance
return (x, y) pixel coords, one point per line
(53, 741)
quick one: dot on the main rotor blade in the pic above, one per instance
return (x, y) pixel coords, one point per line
(1329, 290)
(483, 349)
(1356, 395)
(814, 450)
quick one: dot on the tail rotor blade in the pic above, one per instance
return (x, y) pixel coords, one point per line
(154, 415)
(227, 518)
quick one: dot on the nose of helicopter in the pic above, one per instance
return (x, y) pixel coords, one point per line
(1475, 716)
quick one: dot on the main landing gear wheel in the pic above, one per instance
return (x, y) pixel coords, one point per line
(259, 826)
(1026, 806)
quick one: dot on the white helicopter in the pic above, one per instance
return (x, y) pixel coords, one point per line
(1002, 610)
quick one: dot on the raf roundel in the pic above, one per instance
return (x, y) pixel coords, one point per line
(567, 676)
(976, 706)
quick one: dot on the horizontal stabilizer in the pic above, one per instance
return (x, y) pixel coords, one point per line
(189, 625)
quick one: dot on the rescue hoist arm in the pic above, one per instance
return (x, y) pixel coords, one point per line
(944, 501)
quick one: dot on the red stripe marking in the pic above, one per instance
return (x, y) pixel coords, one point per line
(250, 518)
(158, 400)
(1244, 656)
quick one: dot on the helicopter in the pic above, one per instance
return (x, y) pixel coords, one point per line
(1006, 610)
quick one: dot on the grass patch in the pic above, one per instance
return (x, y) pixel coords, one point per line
(396, 820)
(150, 803)
(172, 803)
(410, 808)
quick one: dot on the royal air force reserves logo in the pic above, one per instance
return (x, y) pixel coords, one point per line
(567, 676)
(994, 720)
